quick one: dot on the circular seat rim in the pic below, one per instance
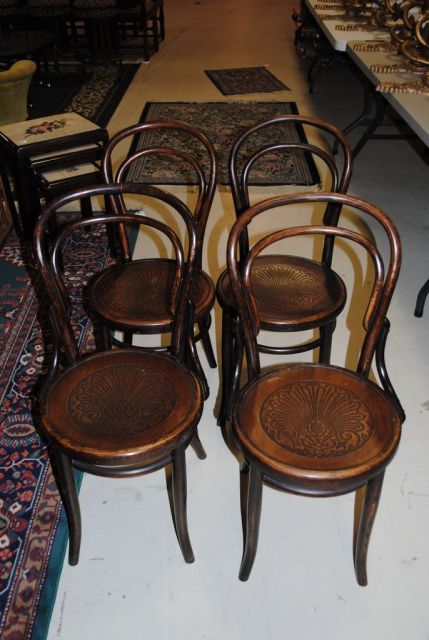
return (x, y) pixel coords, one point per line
(158, 447)
(323, 316)
(202, 306)
(299, 479)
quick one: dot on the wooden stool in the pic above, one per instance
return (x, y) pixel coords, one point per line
(35, 146)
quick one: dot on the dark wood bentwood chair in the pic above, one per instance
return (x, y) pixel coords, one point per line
(314, 429)
(294, 294)
(131, 296)
(122, 412)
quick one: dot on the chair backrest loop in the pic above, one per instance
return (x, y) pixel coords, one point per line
(49, 258)
(245, 153)
(383, 284)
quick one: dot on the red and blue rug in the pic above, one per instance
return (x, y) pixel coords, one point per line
(33, 533)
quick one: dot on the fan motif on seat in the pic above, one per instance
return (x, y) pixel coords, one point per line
(122, 397)
(301, 286)
(315, 419)
(120, 294)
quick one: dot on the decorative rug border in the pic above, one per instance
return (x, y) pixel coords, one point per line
(313, 174)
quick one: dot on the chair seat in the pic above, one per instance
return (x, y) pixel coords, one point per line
(290, 291)
(318, 429)
(136, 295)
(122, 407)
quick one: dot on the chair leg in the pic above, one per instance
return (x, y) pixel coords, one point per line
(179, 490)
(237, 365)
(204, 326)
(382, 369)
(326, 333)
(67, 487)
(366, 521)
(421, 299)
(105, 338)
(161, 23)
(251, 501)
(195, 364)
(197, 446)
(227, 346)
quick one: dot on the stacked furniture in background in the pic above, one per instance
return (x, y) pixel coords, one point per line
(99, 29)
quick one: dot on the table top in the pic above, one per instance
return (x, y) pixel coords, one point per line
(338, 39)
(414, 109)
(29, 132)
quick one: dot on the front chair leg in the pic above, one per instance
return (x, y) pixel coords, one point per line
(237, 365)
(67, 487)
(195, 365)
(197, 446)
(366, 521)
(179, 490)
(251, 501)
(204, 326)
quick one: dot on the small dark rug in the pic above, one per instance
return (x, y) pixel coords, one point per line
(94, 93)
(223, 122)
(245, 80)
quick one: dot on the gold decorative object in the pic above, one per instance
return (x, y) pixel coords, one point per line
(331, 16)
(334, 6)
(412, 88)
(357, 27)
(374, 46)
(416, 50)
(392, 68)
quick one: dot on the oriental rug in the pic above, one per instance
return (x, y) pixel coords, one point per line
(33, 532)
(94, 94)
(243, 80)
(223, 122)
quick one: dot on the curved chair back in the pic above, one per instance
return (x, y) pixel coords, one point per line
(50, 261)
(248, 149)
(384, 280)
(14, 85)
(169, 140)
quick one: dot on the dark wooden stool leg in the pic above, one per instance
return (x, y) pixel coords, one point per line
(67, 487)
(366, 521)
(251, 499)
(179, 490)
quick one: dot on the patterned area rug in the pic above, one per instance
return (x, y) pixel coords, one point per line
(223, 122)
(243, 80)
(32, 528)
(94, 94)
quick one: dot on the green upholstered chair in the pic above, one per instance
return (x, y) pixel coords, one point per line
(14, 84)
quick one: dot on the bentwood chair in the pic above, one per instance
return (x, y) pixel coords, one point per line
(314, 429)
(123, 412)
(117, 296)
(294, 294)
